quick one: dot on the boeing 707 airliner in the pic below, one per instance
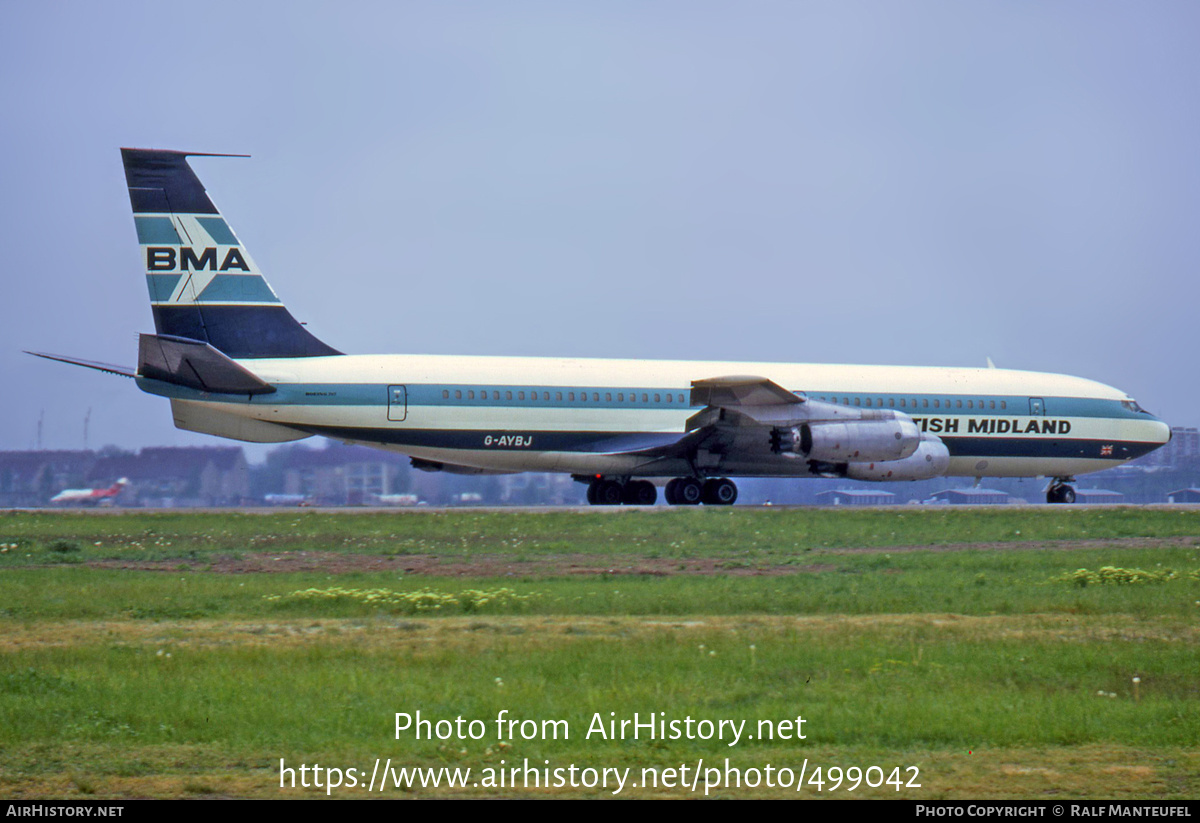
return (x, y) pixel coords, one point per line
(235, 363)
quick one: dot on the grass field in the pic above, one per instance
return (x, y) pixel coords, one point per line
(185, 655)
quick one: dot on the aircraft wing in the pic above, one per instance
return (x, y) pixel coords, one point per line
(728, 403)
(742, 391)
(745, 401)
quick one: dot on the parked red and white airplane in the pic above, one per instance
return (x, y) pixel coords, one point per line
(89, 497)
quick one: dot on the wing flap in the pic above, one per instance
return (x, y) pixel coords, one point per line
(742, 390)
(747, 400)
(729, 402)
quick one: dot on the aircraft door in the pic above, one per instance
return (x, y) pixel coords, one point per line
(397, 403)
(1036, 407)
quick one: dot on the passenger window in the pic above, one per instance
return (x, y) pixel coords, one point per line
(558, 396)
(608, 397)
(925, 403)
(645, 398)
(681, 398)
(937, 404)
(970, 404)
(620, 397)
(657, 399)
(958, 404)
(670, 399)
(1003, 404)
(445, 394)
(471, 395)
(571, 396)
(858, 401)
(868, 403)
(458, 394)
(521, 395)
(902, 402)
(891, 402)
(596, 396)
(991, 404)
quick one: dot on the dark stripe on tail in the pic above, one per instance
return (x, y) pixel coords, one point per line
(242, 331)
(161, 182)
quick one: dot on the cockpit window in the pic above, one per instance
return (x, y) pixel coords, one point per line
(1132, 405)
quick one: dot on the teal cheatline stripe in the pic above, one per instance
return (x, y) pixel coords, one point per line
(237, 288)
(156, 230)
(161, 286)
(217, 230)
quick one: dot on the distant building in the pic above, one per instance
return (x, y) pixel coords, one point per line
(536, 489)
(207, 476)
(31, 478)
(1183, 448)
(855, 497)
(1100, 496)
(1184, 496)
(972, 497)
(188, 476)
(340, 475)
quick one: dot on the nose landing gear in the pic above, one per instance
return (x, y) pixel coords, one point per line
(1059, 491)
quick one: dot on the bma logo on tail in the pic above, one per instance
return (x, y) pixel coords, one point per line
(165, 258)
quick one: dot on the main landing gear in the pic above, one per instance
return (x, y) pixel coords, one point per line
(688, 491)
(682, 491)
(1059, 491)
(604, 491)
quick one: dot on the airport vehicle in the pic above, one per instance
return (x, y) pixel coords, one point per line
(235, 363)
(90, 497)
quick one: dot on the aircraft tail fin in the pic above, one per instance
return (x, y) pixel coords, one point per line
(203, 284)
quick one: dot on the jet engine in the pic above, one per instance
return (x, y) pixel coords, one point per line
(931, 459)
(891, 438)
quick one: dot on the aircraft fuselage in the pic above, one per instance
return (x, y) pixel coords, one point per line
(571, 415)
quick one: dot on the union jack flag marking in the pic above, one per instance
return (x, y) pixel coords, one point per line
(1106, 451)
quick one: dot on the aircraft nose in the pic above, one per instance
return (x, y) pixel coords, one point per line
(1162, 432)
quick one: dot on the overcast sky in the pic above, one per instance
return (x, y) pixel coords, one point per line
(919, 183)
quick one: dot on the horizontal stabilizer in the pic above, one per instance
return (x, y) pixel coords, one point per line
(124, 371)
(196, 365)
